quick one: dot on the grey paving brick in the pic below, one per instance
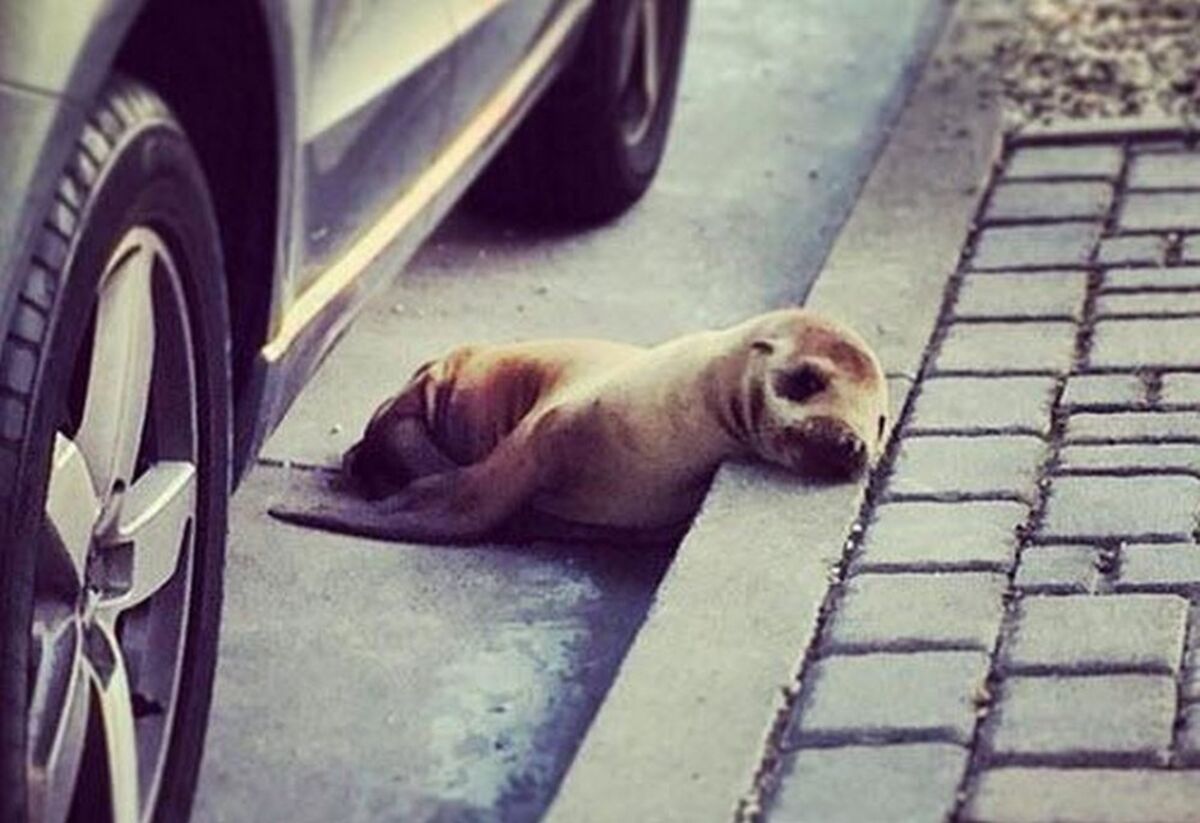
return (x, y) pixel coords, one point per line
(1169, 170)
(1058, 244)
(1104, 390)
(1044, 346)
(1189, 688)
(1156, 278)
(1153, 456)
(1022, 294)
(909, 782)
(857, 698)
(942, 536)
(1154, 129)
(1159, 567)
(1104, 633)
(1122, 718)
(1159, 303)
(1131, 344)
(1189, 737)
(1160, 211)
(1132, 248)
(968, 465)
(1069, 569)
(1180, 388)
(1022, 201)
(1189, 682)
(1098, 506)
(1189, 251)
(975, 403)
(1072, 161)
(1132, 425)
(899, 612)
(1025, 795)
(1155, 146)
(1194, 633)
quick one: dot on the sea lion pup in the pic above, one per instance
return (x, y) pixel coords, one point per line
(586, 439)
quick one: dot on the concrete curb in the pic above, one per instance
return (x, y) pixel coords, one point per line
(713, 672)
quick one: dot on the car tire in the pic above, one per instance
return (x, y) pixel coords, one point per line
(593, 144)
(114, 479)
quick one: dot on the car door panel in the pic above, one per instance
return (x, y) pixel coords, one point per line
(494, 35)
(380, 77)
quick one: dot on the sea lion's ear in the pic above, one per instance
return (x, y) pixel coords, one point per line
(763, 346)
(801, 383)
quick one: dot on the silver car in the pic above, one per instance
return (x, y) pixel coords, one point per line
(195, 197)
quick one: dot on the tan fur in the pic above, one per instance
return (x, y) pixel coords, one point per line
(591, 436)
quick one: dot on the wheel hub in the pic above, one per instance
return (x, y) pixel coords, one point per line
(88, 605)
(114, 559)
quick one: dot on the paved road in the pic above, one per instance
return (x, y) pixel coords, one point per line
(361, 680)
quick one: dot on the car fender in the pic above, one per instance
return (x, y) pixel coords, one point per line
(53, 57)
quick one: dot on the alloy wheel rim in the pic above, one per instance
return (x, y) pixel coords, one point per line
(115, 551)
(640, 68)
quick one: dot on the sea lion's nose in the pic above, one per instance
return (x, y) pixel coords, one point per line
(847, 456)
(833, 450)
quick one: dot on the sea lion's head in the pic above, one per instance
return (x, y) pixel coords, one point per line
(374, 464)
(370, 469)
(814, 397)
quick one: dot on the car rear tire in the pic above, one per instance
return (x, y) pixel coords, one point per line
(114, 479)
(593, 144)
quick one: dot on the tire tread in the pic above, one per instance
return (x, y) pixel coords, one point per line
(122, 105)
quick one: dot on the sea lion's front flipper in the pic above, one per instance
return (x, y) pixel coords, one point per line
(333, 511)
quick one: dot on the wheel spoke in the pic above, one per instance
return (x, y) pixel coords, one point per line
(119, 516)
(72, 506)
(106, 666)
(118, 388)
(143, 553)
(58, 718)
(650, 69)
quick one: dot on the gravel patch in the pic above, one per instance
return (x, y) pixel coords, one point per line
(1095, 59)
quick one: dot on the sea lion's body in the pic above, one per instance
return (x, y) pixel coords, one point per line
(603, 436)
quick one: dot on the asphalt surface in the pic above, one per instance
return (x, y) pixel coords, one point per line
(361, 680)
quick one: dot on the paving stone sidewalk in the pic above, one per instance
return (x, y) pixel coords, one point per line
(1015, 635)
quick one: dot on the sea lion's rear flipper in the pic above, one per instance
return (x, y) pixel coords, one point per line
(450, 507)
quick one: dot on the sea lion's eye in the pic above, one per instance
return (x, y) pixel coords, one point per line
(762, 346)
(800, 384)
(882, 426)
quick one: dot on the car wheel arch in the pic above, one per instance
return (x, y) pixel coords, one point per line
(236, 104)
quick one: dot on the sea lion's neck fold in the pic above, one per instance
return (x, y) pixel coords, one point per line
(723, 385)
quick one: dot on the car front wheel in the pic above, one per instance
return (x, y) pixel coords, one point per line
(114, 480)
